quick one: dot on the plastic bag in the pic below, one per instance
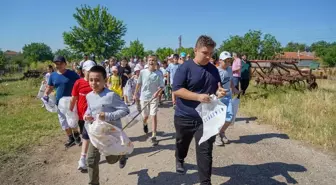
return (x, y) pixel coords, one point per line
(129, 89)
(132, 115)
(41, 90)
(51, 104)
(235, 106)
(71, 116)
(213, 115)
(109, 139)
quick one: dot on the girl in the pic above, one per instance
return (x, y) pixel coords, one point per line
(115, 81)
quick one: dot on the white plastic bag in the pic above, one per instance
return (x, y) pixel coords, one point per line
(41, 90)
(235, 106)
(132, 116)
(129, 89)
(71, 116)
(213, 115)
(109, 139)
(51, 104)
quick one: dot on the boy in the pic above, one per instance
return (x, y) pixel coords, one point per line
(194, 82)
(165, 75)
(63, 80)
(182, 57)
(151, 83)
(171, 69)
(79, 92)
(110, 108)
(225, 73)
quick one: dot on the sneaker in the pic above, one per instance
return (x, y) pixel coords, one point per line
(82, 164)
(122, 162)
(70, 142)
(145, 129)
(154, 141)
(77, 138)
(219, 140)
(225, 139)
(179, 168)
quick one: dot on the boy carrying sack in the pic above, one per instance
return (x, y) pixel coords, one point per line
(107, 106)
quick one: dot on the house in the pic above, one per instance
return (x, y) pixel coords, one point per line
(10, 53)
(304, 59)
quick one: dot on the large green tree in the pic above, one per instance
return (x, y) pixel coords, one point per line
(136, 48)
(329, 57)
(35, 52)
(2, 59)
(163, 53)
(98, 32)
(189, 51)
(149, 52)
(269, 46)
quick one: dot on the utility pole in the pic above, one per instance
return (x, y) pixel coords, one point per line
(180, 41)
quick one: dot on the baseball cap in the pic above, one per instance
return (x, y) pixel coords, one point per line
(137, 68)
(183, 54)
(114, 68)
(224, 55)
(59, 59)
(87, 65)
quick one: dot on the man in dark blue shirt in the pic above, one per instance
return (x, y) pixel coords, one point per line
(63, 80)
(194, 82)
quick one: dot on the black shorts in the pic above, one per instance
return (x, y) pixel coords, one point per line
(82, 129)
(81, 125)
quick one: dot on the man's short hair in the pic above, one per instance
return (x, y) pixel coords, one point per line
(124, 58)
(153, 57)
(99, 69)
(205, 41)
(164, 62)
(176, 56)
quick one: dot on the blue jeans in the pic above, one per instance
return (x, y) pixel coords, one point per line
(236, 82)
(227, 100)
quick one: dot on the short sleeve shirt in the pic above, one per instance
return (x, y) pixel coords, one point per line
(81, 89)
(150, 81)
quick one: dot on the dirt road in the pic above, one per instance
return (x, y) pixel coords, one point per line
(258, 155)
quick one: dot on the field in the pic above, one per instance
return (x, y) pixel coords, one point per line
(304, 115)
(24, 123)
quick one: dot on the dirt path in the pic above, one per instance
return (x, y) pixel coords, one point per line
(258, 155)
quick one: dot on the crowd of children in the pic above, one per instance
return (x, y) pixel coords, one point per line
(105, 91)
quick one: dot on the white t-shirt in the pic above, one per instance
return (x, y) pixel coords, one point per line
(164, 72)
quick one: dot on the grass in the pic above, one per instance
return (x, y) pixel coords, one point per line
(23, 121)
(304, 115)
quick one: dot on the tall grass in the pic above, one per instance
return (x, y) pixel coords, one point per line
(304, 115)
(23, 121)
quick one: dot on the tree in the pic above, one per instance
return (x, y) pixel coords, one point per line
(64, 52)
(233, 44)
(37, 52)
(149, 52)
(270, 46)
(98, 32)
(2, 59)
(320, 47)
(163, 53)
(295, 47)
(330, 56)
(189, 51)
(136, 48)
(252, 43)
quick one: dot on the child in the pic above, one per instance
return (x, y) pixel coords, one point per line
(44, 83)
(115, 82)
(110, 108)
(46, 76)
(226, 76)
(125, 72)
(79, 92)
(171, 69)
(163, 69)
(151, 83)
(135, 78)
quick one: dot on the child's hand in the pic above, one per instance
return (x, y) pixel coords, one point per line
(135, 97)
(88, 118)
(102, 116)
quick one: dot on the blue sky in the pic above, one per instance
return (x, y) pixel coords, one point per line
(158, 23)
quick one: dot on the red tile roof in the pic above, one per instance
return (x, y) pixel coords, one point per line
(299, 56)
(10, 53)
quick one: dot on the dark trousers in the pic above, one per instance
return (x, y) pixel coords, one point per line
(235, 81)
(186, 129)
(244, 83)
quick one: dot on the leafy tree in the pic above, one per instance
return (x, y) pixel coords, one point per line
(252, 43)
(294, 47)
(149, 52)
(136, 48)
(66, 53)
(270, 46)
(233, 44)
(189, 51)
(98, 32)
(2, 59)
(329, 57)
(37, 52)
(163, 53)
(320, 47)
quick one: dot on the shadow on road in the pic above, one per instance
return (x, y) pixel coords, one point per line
(246, 119)
(261, 174)
(251, 139)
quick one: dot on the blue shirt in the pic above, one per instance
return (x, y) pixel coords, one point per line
(63, 83)
(150, 82)
(197, 79)
(171, 69)
(226, 76)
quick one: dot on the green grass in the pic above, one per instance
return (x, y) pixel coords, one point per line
(23, 121)
(304, 115)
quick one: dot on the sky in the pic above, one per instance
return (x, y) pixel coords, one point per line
(158, 23)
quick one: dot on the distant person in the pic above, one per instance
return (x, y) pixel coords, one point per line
(171, 69)
(85, 58)
(140, 65)
(194, 82)
(50, 69)
(164, 71)
(132, 63)
(63, 81)
(114, 82)
(214, 59)
(79, 92)
(125, 72)
(188, 57)
(225, 73)
(182, 57)
(112, 62)
(246, 74)
(236, 69)
(150, 84)
(110, 108)
(78, 69)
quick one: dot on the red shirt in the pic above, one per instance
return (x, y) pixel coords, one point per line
(81, 89)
